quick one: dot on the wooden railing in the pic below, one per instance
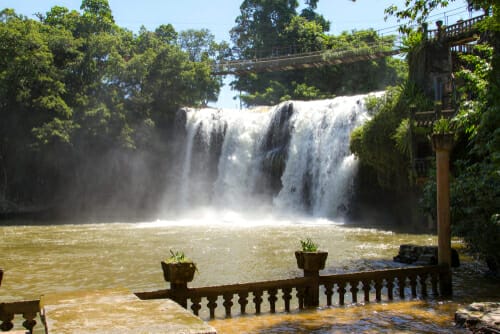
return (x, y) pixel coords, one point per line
(427, 118)
(456, 31)
(282, 62)
(276, 296)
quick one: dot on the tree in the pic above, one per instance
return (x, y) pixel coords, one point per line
(84, 102)
(96, 17)
(417, 11)
(274, 28)
(199, 44)
(260, 25)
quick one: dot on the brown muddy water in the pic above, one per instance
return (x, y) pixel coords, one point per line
(230, 249)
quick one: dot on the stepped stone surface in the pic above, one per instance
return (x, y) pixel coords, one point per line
(116, 311)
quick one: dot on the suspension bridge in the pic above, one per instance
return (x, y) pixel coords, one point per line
(292, 58)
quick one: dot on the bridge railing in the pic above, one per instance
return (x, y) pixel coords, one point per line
(283, 60)
(456, 30)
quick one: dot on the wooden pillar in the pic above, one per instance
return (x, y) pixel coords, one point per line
(442, 145)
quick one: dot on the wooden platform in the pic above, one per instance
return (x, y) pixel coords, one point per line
(116, 311)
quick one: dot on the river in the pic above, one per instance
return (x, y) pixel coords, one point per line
(228, 248)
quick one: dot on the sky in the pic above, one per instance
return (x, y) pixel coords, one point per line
(218, 16)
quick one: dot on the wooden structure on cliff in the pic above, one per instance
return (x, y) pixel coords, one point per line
(431, 69)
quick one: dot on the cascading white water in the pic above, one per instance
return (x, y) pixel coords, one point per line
(239, 164)
(318, 167)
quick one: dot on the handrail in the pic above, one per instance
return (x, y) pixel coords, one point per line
(456, 29)
(300, 60)
(414, 279)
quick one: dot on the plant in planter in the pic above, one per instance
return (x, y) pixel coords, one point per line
(442, 126)
(442, 134)
(309, 258)
(178, 269)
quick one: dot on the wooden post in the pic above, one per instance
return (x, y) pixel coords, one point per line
(442, 145)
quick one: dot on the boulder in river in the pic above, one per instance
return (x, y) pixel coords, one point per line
(483, 318)
(423, 255)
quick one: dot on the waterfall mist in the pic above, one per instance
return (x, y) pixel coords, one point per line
(292, 158)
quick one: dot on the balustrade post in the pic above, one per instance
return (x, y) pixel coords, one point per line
(179, 293)
(438, 107)
(179, 274)
(311, 263)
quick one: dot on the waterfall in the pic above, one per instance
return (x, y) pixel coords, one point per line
(293, 157)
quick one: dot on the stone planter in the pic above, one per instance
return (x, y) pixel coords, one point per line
(311, 261)
(178, 273)
(442, 141)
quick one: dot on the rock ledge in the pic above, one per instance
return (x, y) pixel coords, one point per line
(483, 318)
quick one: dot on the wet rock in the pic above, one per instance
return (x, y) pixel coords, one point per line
(423, 255)
(481, 318)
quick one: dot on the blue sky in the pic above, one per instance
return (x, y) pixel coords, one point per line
(218, 16)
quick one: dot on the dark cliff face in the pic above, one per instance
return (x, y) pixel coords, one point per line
(274, 150)
(373, 206)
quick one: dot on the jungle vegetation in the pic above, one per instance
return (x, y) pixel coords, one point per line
(382, 142)
(88, 108)
(270, 28)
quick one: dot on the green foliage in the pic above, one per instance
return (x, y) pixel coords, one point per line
(412, 41)
(417, 11)
(270, 28)
(402, 137)
(475, 185)
(473, 89)
(79, 94)
(383, 142)
(177, 257)
(308, 245)
(442, 126)
(476, 208)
